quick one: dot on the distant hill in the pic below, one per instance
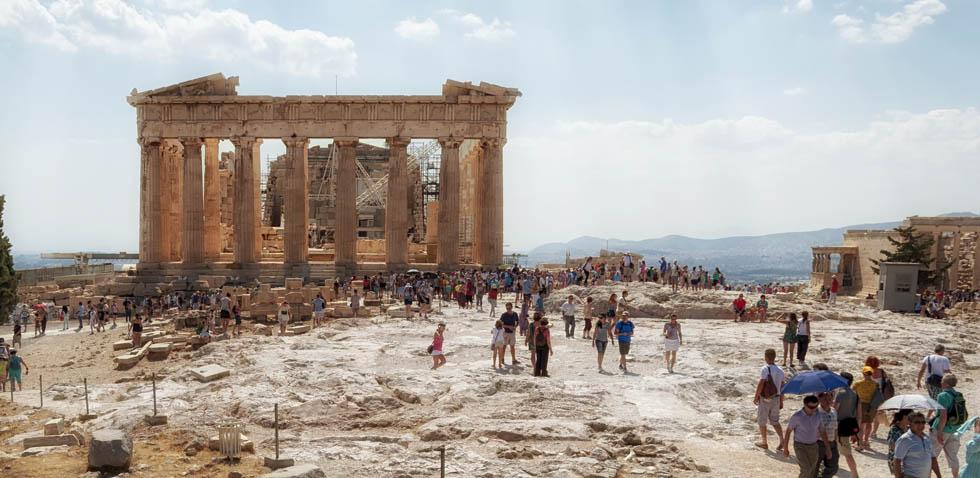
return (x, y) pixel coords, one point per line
(772, 257)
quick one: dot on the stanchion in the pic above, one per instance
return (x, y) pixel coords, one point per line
(40, 388)
(155, 419)
(88, 415)
(277, 462)
(442, 461)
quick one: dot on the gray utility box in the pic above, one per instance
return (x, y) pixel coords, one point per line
(897, 286)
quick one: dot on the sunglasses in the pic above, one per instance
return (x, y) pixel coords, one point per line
(811, 408)
(919, 422)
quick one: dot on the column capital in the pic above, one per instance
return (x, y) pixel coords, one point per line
(211, 141)
(346, 141)
(296, 142)
(450, 142)
(145, 141)
(191, 142)
(241, 142)
(398, 142)
(493, 142)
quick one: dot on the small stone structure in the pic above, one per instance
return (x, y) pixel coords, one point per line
(180, 221)
(955, 245)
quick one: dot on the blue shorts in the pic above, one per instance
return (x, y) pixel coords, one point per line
(15, 375)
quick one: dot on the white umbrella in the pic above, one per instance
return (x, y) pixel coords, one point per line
(910, 402)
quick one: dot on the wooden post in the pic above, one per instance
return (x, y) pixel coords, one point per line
(277, 432)
(40, 388)
(85, 382)
(154, 376)
(442, 461)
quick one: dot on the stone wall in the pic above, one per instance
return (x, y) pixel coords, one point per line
(869, 244)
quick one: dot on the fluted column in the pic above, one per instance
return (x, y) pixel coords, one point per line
(345, 224)
(491, 203)
(151, 221)
(248, 243)
(212, 201)
(396, 211)
(193, 202)
(448, 231)
(173, 200)
(954, 270)
(296, 228)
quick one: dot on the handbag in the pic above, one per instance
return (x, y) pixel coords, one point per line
(935, 381)
(877, 399)
(847, 427)
(428, 350)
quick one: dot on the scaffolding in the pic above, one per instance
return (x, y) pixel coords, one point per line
(428, 157)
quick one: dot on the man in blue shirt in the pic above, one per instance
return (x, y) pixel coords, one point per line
(913, 451)
(624, 332)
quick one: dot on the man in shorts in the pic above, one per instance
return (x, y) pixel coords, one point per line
(318, 304)
(510, 320)
(225, 311)
(768, 407)
(738, 305)
(624, 334)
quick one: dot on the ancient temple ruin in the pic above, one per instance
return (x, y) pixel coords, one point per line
(955, 246)
(350, 208)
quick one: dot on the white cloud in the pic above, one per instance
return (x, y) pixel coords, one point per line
(121, 28)
(894, 28)
(416, 30)
(798, 5)
(849, 28)
(711, 178)
(795, 91)
(494, 30)
(898, 27)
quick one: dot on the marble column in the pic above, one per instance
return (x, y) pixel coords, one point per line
(151, 220)
(248, 242)
(296, 228)
(212, 201)
(193, 202)
(396, 210)
(345, 222)
(491, 203)
(172, 205)
(954, 270)
(976, 259)
(448, 230)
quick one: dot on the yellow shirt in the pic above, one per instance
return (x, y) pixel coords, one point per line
(865, 389)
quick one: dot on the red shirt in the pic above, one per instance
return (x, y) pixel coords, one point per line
(834, 285)
(493, 293)
(739, 303)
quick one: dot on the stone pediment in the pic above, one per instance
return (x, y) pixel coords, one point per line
(211, 85)
(459, 88)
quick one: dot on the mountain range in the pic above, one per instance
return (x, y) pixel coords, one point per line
(782, 257)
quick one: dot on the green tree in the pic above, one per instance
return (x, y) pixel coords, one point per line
(913, 247)
(8, 277)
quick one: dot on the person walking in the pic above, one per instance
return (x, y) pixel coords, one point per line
(789, 336)
(492, 298)
(510, 321)
(438, 357)
(318, 304)
(497, 344)
(769, 399)
(81, 315)
(810, 434)
(828, 419)
(284, 317)
(600, 338)
(137, 331)
(568, 315)
(236, 311)
(65, 316)
(803, 334)
(948, 422)
(972, 468)
(834, 287)
(529, 337)
(900, 425)
(673, 339)
(913, 451)
(543, 350)
(937, 365)
(587, 315)
(848, 406)
(624, 335)
(884, 385)
(867, 391)
(14, 365)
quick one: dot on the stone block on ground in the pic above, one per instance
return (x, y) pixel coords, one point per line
(294, 284)
(785, 296)
(209, 373)
(51, 440)
(263, 330)
(122, 345)
(54, 427)
(297, 471)
(299, 329)
(110, 450)
(294, 297)
(160, 349)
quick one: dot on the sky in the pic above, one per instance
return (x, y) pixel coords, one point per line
(638, 119)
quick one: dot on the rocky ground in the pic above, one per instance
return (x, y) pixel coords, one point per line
(358, 398)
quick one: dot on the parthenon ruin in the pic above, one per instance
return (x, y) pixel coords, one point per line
(181, 204)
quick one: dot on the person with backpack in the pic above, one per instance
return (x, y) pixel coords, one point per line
(848, 406)
(937, 365)
(884, 384)
(624, 334)
(769, 400)
(13, 370)
(871, 397)
(948, 422)
(542, 347)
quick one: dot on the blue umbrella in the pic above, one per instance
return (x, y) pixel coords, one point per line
(814, 382)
